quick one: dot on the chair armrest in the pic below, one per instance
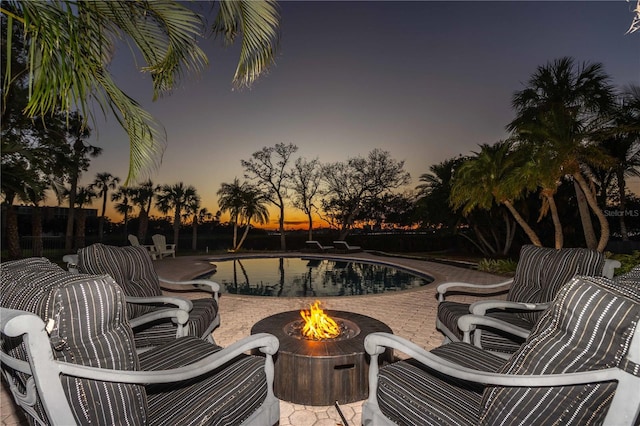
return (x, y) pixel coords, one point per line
(45, 379)
(179, 315)
(208, 285)
(376, 343)
(266, 343)
(72, 262)
(444, 287)
(182, 303)
(481, 307)
(468, 323)
(609, 268)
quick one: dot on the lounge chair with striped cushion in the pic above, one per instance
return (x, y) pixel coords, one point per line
(540, 274)
(132, 268)
(579, 366)
(68, 356)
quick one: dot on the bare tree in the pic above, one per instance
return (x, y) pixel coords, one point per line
(352, 185)
(269, 168)
(306, 177)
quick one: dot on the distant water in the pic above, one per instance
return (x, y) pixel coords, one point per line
(303, 277)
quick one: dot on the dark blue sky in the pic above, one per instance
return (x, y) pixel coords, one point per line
(424, 80)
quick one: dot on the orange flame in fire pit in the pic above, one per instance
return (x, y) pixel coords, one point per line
(318, 325)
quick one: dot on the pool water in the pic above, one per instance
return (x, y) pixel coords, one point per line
(309, 277)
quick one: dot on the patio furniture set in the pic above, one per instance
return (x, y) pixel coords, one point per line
(101, 343)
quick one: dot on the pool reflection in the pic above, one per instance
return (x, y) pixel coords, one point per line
(305, 277)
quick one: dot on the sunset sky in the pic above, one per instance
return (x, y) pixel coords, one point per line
(424, 80)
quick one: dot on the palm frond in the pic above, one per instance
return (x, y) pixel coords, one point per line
(258, 23)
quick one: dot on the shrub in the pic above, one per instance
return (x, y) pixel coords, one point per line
(628, 261)
(498, 266)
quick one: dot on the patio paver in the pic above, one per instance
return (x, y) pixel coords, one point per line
(410, 314)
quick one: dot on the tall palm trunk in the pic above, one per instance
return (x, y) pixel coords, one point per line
(235, 234)
(75, 175)
(602, 219)
(13, 236)
(101, 222)
(176, 226)
(244, 236)
(533, 237)
(622, 187)
(143, 224)
(36, 231)
(194, 235)
(80, 228)
(585, 217)
(555, 217)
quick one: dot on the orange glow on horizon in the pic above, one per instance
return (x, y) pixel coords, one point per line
(295, 220)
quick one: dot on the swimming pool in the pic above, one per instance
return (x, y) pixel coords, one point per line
(310, 277)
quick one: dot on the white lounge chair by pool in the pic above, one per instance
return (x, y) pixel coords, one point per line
(344, 246)
(316, 246)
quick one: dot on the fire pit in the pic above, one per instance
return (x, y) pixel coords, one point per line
(321, 371)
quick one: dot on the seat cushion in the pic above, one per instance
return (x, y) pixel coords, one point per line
(200, 323)
(89, 327)
(227, 396)
(449, 313)
(411, 394)
(589, 326)
(130, 266)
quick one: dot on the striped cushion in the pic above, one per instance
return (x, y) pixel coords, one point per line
(227, 396)
(629, 278)
(588, 327)
(90, 329)
(542, 271)
(497, 341)
(411, 394)
(449, 313)
(201, 317)
(129, 266)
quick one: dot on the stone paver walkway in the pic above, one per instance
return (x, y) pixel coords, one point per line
(410, 314)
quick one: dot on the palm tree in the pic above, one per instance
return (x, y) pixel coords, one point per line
(622, 145)
(433, 194)
(144, 196)
(254, 209)
(124, 195)
(231, 199)
(563, 106)
(487, 177)
(175, 197)
(104, 182)
(72, 43)
(539, 167)
(84, 196)
(75, 165)
(194, 211)
(15, 175)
